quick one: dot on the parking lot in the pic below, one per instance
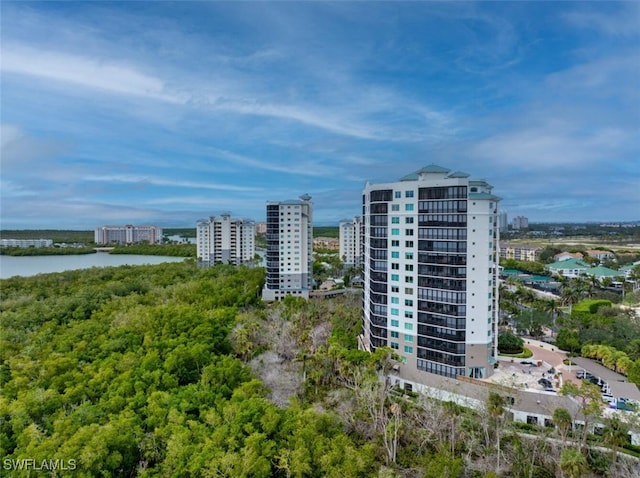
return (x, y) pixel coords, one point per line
(545, 364)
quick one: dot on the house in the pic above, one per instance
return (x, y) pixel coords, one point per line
(568, 267)
(330, 284)
(601, 272)
(626, 270)
(564, 256)
(601, 255)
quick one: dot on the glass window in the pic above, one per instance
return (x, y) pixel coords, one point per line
(408, 194)
(395, 232)
(408, 255)
(394, 334)
(395, 220)
(395, 288)
(395, 255)
(407, 337)
(394, 345)
(408, 326)
(408, 220)
(408, 349)
(395, 207)
(395, 277)
(397, 194)
(395, 300)
(408, 243)
(408, 314)
(408, 207)
(395, 323)
(395, 243)
(395, 312)
(408, 232)
(408, 290)
(408, 302)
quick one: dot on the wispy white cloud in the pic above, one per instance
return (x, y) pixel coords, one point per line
(302, 167)
(82, 71)
(20, 150)
(545, 149)
(621, 22)
(157, 181)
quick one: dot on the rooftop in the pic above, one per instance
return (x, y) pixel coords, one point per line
(569, 264)
(601, 271)
(433, 169)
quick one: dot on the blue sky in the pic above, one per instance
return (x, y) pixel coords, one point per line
(164, 113)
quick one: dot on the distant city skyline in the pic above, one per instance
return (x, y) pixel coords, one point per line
(165, 113)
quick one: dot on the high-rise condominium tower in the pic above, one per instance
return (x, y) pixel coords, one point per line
(225, 240)
(289, 249)
(430, 270)
(350, 241)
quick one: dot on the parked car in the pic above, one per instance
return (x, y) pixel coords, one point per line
(580, 374)
(545, 382)
(551, 371)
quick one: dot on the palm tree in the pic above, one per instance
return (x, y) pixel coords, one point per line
(572, 462)
(495, 407)
(615, 435)
(569, 295)
(552, 306)
(562, 419)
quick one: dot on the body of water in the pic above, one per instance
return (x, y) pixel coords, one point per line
(27, 266)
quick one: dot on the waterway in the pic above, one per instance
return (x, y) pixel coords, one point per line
(27, 266)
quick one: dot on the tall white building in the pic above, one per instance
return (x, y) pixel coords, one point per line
(503, 221)
(350, 241)
(289, 249)
(520, 222)
(128, 234)
(430, 267)
(225, 240)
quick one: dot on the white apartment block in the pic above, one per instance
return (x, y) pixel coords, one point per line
(26, 243)
(350, 242)
(225, 240)
(430, 268)
(128, 234)
(520, 252)
(289, 249)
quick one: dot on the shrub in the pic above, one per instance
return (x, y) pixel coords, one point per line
(509, 343)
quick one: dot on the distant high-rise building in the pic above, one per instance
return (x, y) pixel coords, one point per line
(225, 240)
(503, 221)
(261, 227)
(289, 249)
(519, 222)
(430, 268)
(128, 234)
(350, 241)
